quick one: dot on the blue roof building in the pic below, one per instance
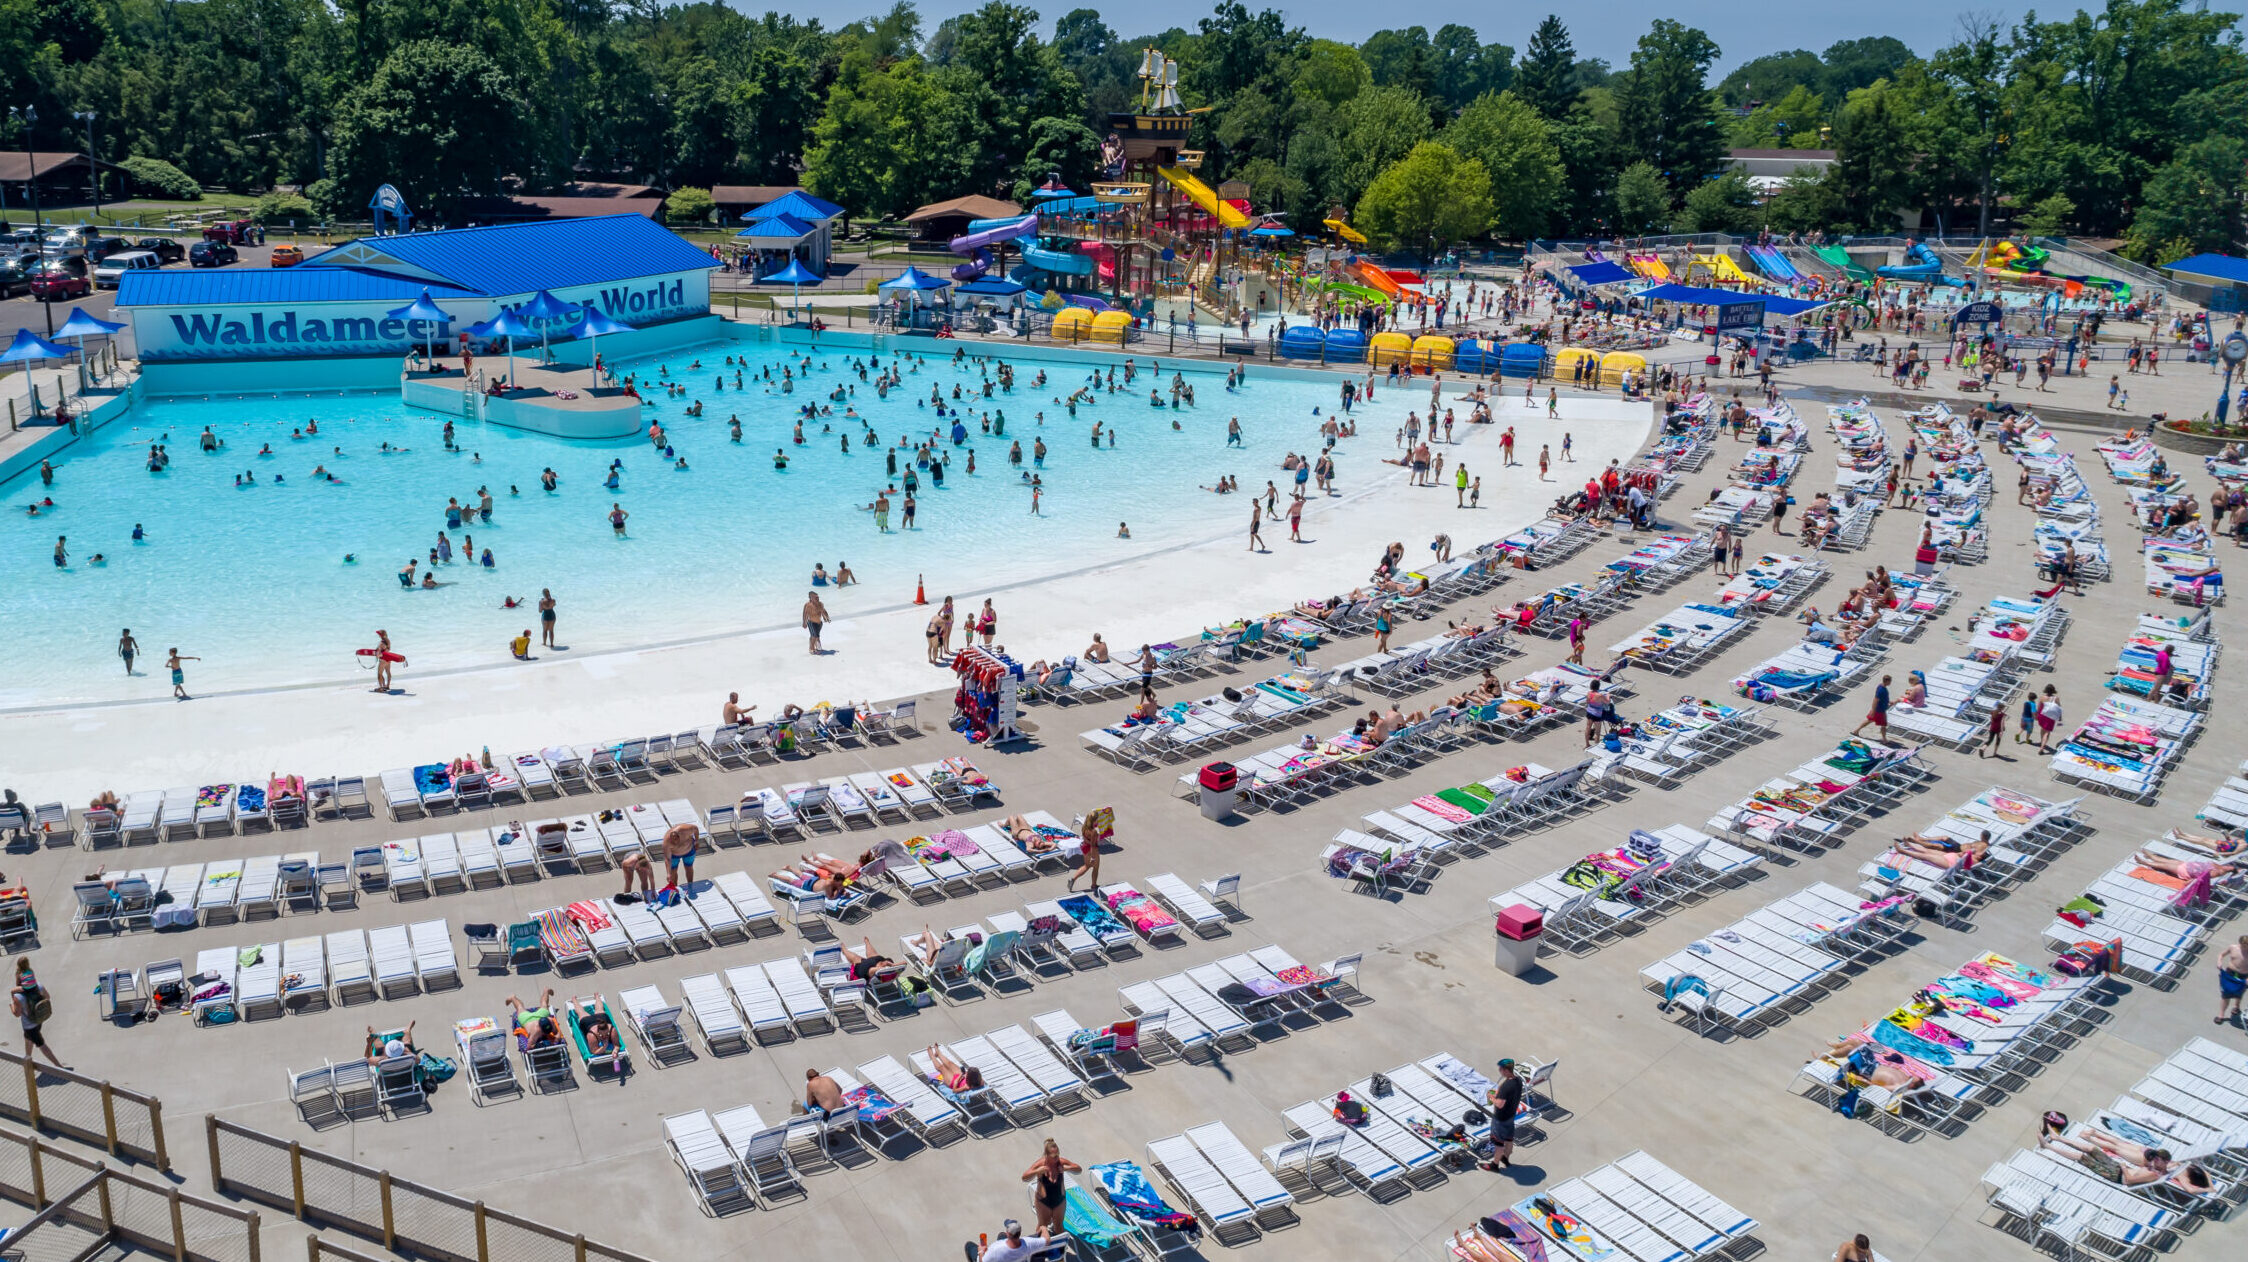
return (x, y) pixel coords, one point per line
(2216, 281)
(798, 226)
(337, 301)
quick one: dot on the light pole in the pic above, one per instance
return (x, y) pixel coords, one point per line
(29, 115)
(93, 163)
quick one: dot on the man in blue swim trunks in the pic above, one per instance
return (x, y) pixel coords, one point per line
(679, 852)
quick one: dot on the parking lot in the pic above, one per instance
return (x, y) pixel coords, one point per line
(26, 312)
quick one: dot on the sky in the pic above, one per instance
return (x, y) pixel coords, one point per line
(1742, 31)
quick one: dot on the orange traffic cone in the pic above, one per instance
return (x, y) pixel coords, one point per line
(920, 597)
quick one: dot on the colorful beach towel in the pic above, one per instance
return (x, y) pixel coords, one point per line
(1133, 1196)
(1092, 916)
(1564, 1229)
(1145, 915)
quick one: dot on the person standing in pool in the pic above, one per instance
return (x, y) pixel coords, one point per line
(616, 518)
(179, 674)
(546, 617)
(128, 648)
(907, 522)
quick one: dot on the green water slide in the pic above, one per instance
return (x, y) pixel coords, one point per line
(1836, 256)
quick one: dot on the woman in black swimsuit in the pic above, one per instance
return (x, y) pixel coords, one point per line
(546, 617)
(1046, 1193)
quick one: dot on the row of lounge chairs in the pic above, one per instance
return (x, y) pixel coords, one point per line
(2126, 747)
(1635, 1208)
(858, 800)
(1678, 740)
(1618, 889)
(1471, 817)
(1959, 1043)
(2195, 1105)
(264, 980)
(2227, 807)
(219, 892)
(2160, 920)
(2023, 831)
(1186, 729)
(1814, 805)
(1777, 959)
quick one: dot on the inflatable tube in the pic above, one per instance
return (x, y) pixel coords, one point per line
(388, 657)
(1345, 346)
(1303, 342)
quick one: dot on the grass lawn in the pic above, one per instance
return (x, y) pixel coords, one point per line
(139, 212)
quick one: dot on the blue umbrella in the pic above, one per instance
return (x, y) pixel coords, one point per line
(82, 326)
(596, 323)
(427, 312)
(793, 275)
(506, 324)
(27, 347)
(913, 281)
(545, 308)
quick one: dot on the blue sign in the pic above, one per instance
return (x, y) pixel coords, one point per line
(1980, 313)
(389, 202)
(1740, 315)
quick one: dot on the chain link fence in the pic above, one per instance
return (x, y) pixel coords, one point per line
(123, 1122)
(325, 1190)
(85, 1206)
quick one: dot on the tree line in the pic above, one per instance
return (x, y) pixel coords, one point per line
(2129, 122)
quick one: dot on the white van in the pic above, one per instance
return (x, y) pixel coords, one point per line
(112, 270)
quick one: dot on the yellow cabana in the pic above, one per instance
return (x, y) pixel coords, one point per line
(1565, 363)
(1073, 324)
(1615, 364)
(1391, 348)
(1431, 350)
(1109, 326)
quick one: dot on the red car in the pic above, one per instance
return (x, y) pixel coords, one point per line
(233, 232)
(55, 279)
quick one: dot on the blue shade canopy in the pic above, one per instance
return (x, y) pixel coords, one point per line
(505, 324)
(914, 279)
(420, 309)
(597, 322)
(794, 274)
(1049, 191)
(82, 325)
(1602, 273)
(1272, 230)
(545, 306)
(1697, 294)
(29, 345)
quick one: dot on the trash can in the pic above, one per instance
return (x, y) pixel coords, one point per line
(1517, 933)
(1220, 793)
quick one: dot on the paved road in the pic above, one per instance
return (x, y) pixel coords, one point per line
(26, 312)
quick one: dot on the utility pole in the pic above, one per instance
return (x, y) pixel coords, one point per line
(93, 160)
(29, 115)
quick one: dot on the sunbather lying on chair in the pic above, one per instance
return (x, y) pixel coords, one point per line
(866, 962)
(1490, 689)
(951, 1074)
(1944, 852)
(2120, 1161)
(534, 1027)
(2217, 847)
(2184, 869)
(380, 1049)
(924, 946)
(815, 879)
(1888, 1069)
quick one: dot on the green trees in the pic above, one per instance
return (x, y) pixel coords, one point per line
(1427, 200)
(1642, 200)
(1544, 79)
(1667, 115)
(1515, 145)
(1728, 203)
(689, 206)
(434, 119)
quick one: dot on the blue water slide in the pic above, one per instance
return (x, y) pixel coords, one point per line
(1773, 263)
(1304, 341)
(1923, 266)
(1468, 356)
(984, 233)
(1059, 262)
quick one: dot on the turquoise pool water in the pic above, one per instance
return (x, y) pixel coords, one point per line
(254, 580)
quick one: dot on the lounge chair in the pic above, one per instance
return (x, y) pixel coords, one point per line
(350, 973)
(1190, 1174)
(393, 956)
(707, 1161)
(655, 1021)
(304, 972)
(434, 959)
(716, 1020)
(761, 1152)
(759, 1002)
(258, 983)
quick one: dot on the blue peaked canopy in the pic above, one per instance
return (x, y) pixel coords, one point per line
(29, 345)
(598, 322)
(82, 325)
(420, 309)
(545, 306)
(794, 274)
(1602, 273)
(913, 279)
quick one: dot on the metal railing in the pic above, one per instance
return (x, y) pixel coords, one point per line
(324, 1190)
(122, 1121)
(83, 1205)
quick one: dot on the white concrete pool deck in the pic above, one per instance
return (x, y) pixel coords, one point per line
(342, 728)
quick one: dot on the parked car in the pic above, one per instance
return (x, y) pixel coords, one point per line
(165, 249)
(110, 272)
(53, 279)
(287, 256)
(64, 243)
(99, 248)
(233, 232)
(14, 278)
(211, 254)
